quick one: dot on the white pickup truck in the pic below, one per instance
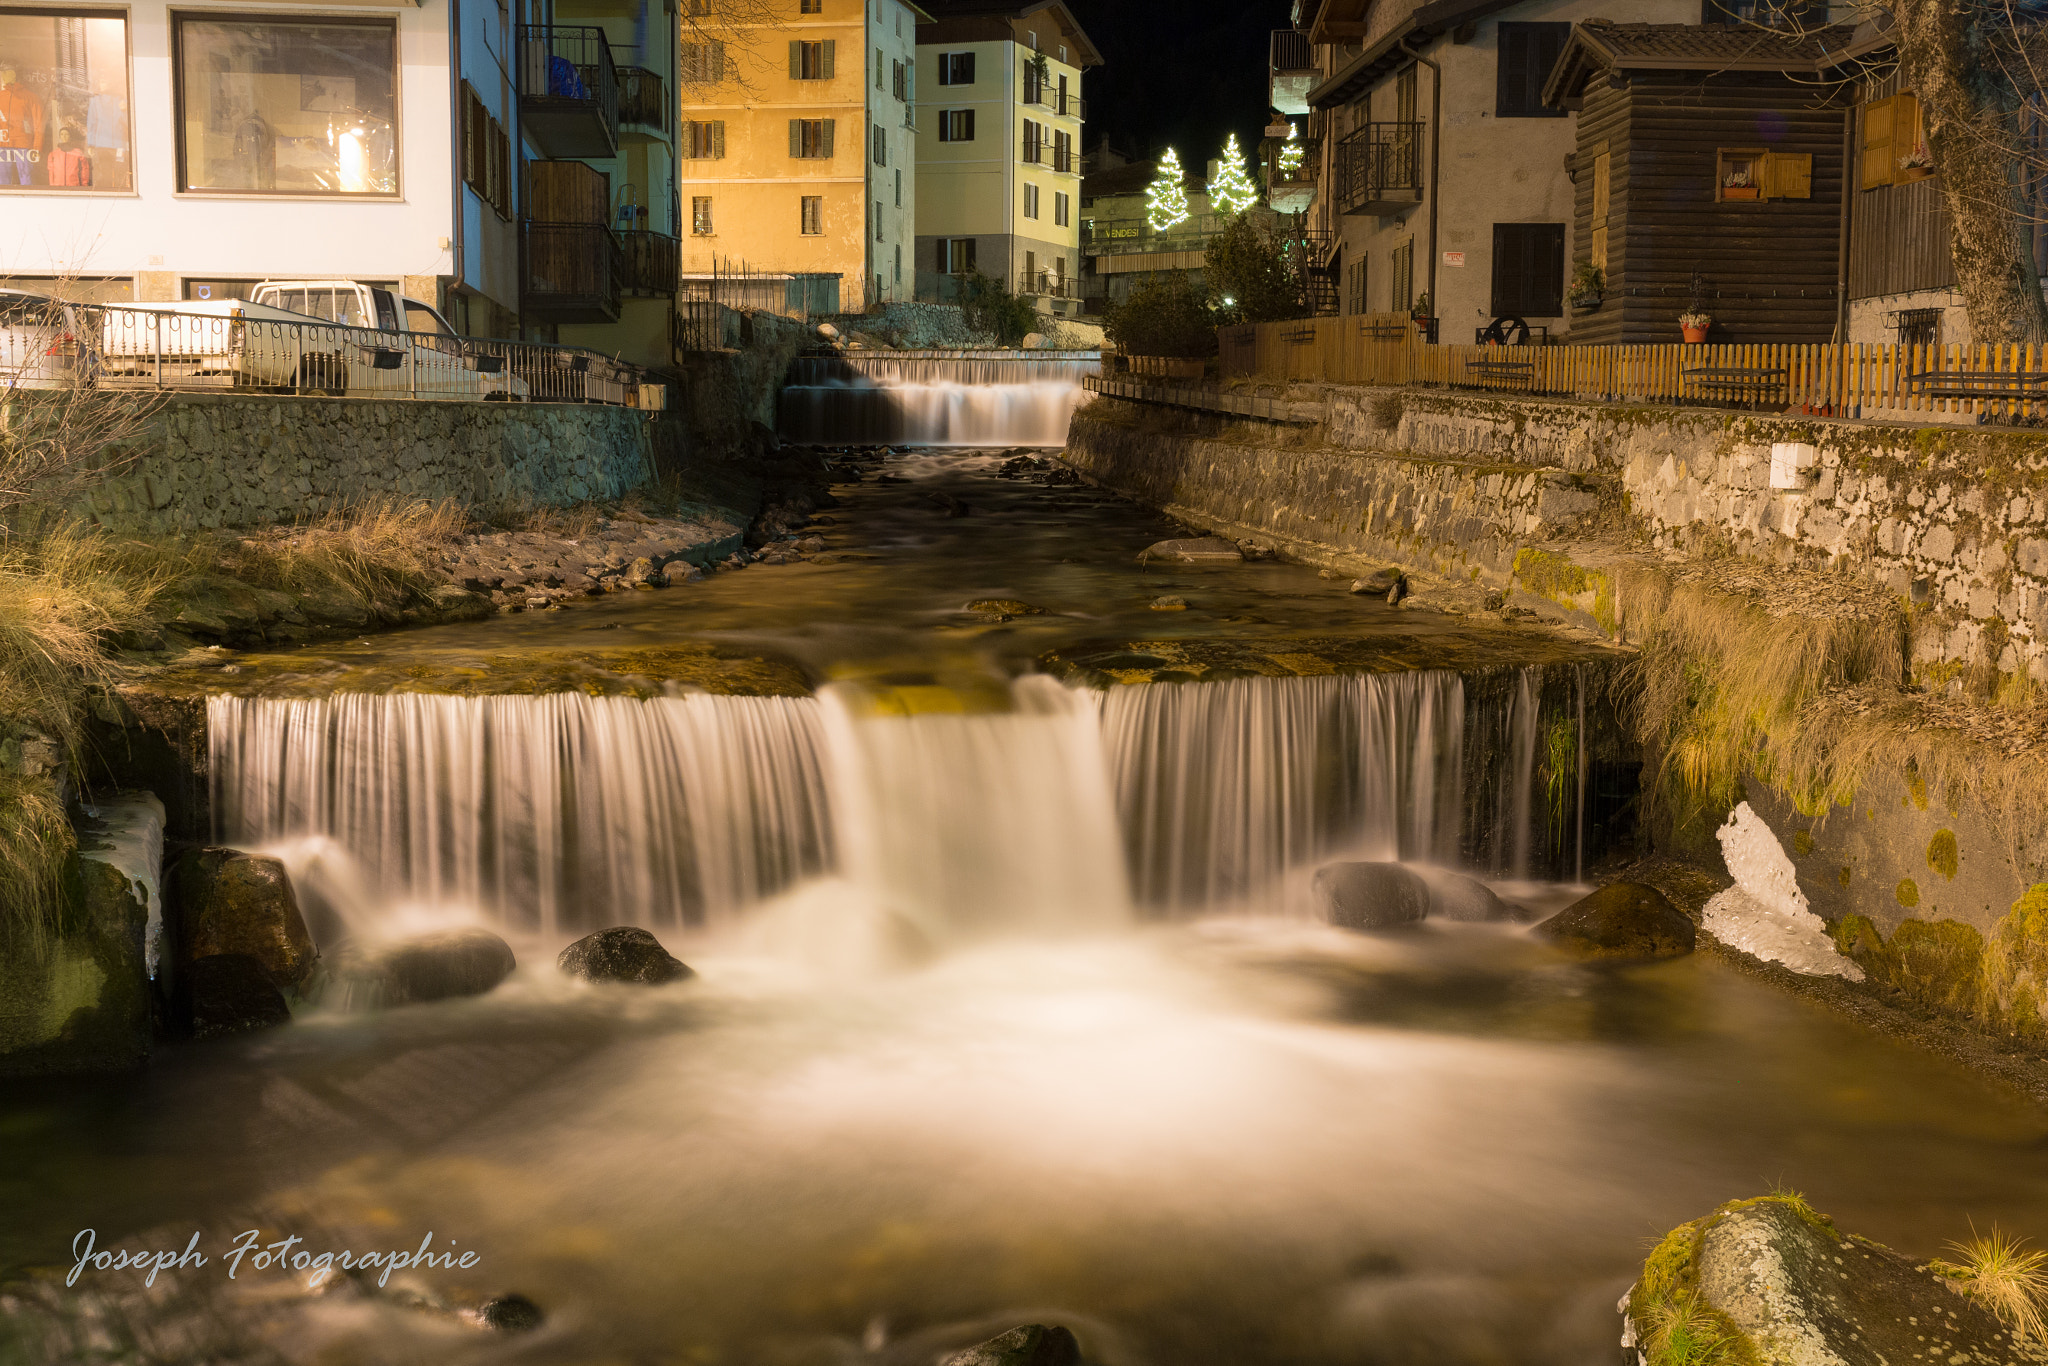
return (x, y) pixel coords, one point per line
(334, 336)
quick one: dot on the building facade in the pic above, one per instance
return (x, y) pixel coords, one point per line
(154, 153)
(799, 150)
(999, 139)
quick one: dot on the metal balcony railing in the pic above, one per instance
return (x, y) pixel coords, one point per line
(643, 97)
(1062, 158)
(652, 262)
(569, 90)
(573, 272)
(1034, 150)
(1290, 50)
(1378, 168)
(1071, 105)
(1047, 285)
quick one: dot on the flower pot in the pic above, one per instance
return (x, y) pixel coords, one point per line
(1586, 304)
(1694, 334)
(1912, 173)
(1739, 192)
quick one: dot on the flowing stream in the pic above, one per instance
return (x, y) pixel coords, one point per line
(1011, 1003)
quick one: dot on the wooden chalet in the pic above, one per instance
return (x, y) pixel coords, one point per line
(1709, 148)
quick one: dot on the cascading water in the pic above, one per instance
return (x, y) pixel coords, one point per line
(919, 399)
(561, 813)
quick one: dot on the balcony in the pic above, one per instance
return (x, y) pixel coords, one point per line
(651, 263)
(573, 272)
(1073, 106)
(1136, 237)
(1295, 191)
(568, 91)
(1046, 285)
(643, 105)
(1378, 169)
(1291, 71)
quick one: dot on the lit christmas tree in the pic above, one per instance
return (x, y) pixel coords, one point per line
(1232, 191)
(1290, 152)
(1166, 198)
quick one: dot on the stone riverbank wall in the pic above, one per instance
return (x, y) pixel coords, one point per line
(223, 461)
(1952, 520)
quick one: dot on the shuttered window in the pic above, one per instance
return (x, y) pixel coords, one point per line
(1788, 175)
(704, 141)
(1527, 52)
(1403, 280)
(812, 61)
(811, 138)
(486, 154)
(1528, 270)
(956, 255)
(956, 68)
(702, 63)
(956, 125)
(1603, 190)
(897, 84)
(1891, 131)
(881, 140)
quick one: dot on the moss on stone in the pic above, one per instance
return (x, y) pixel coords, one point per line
(1562, 581)
(1941, 853)
(1802, 842)
(1939, 964)
(1907, 893)
(1916, 788)
(2015, 968)
(1842, 875)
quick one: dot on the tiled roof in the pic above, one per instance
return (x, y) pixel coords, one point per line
(1715, 45)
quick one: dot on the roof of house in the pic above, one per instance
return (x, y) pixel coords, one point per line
(1393, 50)
(1598, 45)
(943, 11)
(1131, 178)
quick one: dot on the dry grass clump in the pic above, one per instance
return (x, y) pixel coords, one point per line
(62, 596)
(372, 550)
(2010, 1280)
(36, 840)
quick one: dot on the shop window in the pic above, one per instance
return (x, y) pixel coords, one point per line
(64, 101)
(287, 106)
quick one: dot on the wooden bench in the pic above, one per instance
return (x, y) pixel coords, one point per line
(1976, 384)
(1736, 381)
(1299, 335)
(1522, 372)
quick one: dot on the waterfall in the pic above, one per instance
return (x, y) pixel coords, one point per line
(562, 813)
(1224, 787)
(1017, 398)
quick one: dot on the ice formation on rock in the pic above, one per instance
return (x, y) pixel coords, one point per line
(1765, 913)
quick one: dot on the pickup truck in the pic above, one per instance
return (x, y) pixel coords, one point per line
(334, 336)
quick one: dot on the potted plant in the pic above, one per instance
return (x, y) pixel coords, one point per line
(1739, 185)
(1695, 321)
(1421, 313)
(1917, 164)
(1589, 287)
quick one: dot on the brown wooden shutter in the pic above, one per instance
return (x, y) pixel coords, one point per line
(796, 137)
(1788, 175)
(1603, 185)
(718, 139)
(1879, 165)
(796, 61)
(718, 61)
(831, 47)
(826, 151)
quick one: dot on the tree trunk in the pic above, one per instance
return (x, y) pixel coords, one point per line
(1970, 105)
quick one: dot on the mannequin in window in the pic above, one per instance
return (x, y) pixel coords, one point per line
(69, 163)
(21, 130)
(106, 134)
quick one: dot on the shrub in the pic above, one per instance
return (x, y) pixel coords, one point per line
(1167, 315)
(1250, 279)
(991, 308)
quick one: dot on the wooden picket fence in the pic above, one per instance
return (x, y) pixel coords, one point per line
(1844, 381)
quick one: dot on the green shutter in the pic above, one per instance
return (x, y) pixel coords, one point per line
(796, 137)
(829, 125)
(718, 61)
(826, 70)
(796, 60)
(718, 138)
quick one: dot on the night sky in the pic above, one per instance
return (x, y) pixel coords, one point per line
(1180, 73)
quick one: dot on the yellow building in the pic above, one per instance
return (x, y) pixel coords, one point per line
(797, 149)
(999, 148)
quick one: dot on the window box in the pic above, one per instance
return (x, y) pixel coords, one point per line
(1739, 192)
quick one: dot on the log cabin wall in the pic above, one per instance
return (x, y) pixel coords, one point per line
(1603, 131)
(1898, 234)
(1770, 265)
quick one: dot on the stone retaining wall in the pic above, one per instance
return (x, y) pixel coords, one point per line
(232, 460)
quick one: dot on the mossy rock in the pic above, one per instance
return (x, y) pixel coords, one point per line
(1622, 920)
(235, 903)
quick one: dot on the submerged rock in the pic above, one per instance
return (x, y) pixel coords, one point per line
(625, 953)
(1195, 550)
(1371, 896)
(227, 993)
(510, 1314)
(1622, 920)
(435, 967)
(1377, 583)
(1772, 1280)
(1169, 602)
(1454, 896)
(230, 902)
(1034, 1344)
(1002, 609)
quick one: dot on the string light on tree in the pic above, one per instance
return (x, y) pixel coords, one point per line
(1232, 191)
(1166, 198)
(1290, 152)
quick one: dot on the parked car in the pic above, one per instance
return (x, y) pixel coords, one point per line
(333, 336)
(40, 346)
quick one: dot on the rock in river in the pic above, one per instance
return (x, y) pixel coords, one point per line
(1454, 896)
(625, 953)
(1377, 583)
(1371, 896)
(1195, 550)
(227, 993)
(230, 902)
(1622, 920)
(435, 967)
(1034, 1344)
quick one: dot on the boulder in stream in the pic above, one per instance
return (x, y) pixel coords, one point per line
(1376, 584)
(227, 993)
(1033, 1344)
(624, 953)
(1772, 1279)
(1454, 896)
(1193, 550)
(435, 967)
(231, 902)
(1622, 920)
(1371, 896)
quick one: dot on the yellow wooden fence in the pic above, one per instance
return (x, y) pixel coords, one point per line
(1844, 381)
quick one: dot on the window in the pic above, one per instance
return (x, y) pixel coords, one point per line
(898, 80)
(1062, 150)
(812, 217)
(1892, 132)
(1527, 52)
(1358, 284)
(1603, 193)
(1032, 36)
(1060, 103)
(702, 63)
(697, 9)
(1758, 174)
(878, 220)
(881, 145)
(878, 68)
(956, 255)
(812, 61)
(899, 189)
(1401, 297)
(486, 154)
(1034, 141)
(956, 125)
(700, 216)
(898, 272)
(704, 141)
(1528, 270)
(1060, 209)
(956, 68)
(811, 138)
(1031, 201)
(64, 108)
(1034, 83)
(810, 6)
(287, 106)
